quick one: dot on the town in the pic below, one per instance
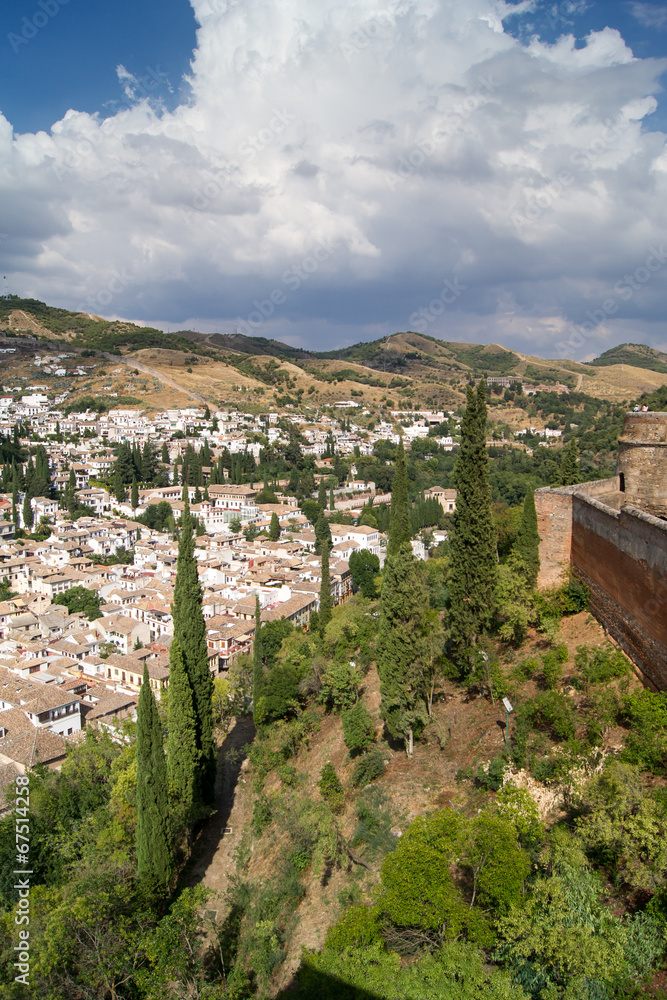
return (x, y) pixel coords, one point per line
(63, 670)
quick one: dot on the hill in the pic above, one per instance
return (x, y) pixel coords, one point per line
(405, 370)
(637, 355)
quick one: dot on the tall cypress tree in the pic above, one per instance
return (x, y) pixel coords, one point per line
(326, 600)
(28, 513)
(527, 543)
(190, 631)
(332, 502)
(134, 495)
(399, 531)
(183, 757)
(472, 575)
(403, 643)
(154, 859)
(569, 466)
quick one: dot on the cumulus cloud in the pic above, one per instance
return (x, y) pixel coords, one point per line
(341, 172)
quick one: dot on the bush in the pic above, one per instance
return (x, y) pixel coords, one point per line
(646, 743)
(553, 712)
(369, 767)
(358, 727)
(552, 666)
(331, 788)
(340, 684)
(358, 928)
(602, 665)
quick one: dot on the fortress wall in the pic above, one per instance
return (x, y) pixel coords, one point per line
(621, 556)
(554, 526)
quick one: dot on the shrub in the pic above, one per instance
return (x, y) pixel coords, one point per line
(358, 727)
(369, 767)
(646, 743)
(340, 684)
(552, 666)
(602, 665)
(331, 788)
(358, 928)
(553, 712)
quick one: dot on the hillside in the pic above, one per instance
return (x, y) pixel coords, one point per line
(405, 370)
(637, 355)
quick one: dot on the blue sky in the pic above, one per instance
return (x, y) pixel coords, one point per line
(71, 61)
(325, 173)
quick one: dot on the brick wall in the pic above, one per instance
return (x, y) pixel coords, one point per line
(622, 557)
(554, 526)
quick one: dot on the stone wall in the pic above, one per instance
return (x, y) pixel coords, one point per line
(621, 556)
(554, 526)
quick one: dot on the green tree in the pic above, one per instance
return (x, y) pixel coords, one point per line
(80, 599)
(274, 529)
(364, 567)
(28, 513)
(190, 632)
(326, 598)
(400, 509)
(134, 495)
(153, 833)
(472, 576)
(527, 543)
(358, 728)
(404, 646)
(164, 458)
(569, 465)
(332, 502)
(183, 755)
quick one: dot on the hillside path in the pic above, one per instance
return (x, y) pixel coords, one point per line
(147, 370)
(214, 851)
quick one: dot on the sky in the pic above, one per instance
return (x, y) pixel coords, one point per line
(328, 173)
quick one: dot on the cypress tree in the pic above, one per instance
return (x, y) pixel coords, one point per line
(569, 466)
(257, 663)
(403, 646)
(154, 860)
(165, 453)
(28, 512)
(326, 600)
(274, 529)
(472, 577)
(190, 631)
(332, 504)
(118, 484)
(527, 543)
(399, 530)
(322, 495)
(15, 503)
(183, 757)
(134, 495)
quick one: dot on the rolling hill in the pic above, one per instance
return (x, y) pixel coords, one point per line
(405, 370)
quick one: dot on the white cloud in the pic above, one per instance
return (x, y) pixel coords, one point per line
(650, 15)
(371, 153)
